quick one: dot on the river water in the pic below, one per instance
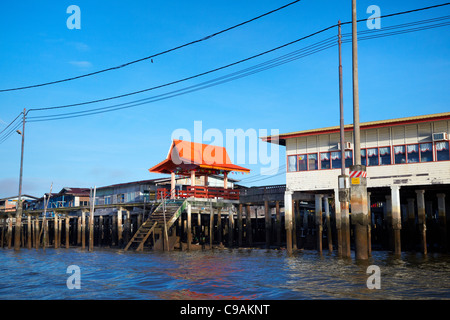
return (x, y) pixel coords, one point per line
(219, 274)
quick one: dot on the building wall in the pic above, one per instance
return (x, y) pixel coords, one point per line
(422, 173)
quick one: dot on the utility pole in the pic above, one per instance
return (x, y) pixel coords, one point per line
(358, 174)
(342, 222)
(19, 202)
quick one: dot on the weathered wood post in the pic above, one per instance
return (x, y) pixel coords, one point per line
(219, 226)
(442, 221)
(268, 223)
(119, 227)
(78, 230)
(91, 219)
(318, 220)
(396, 218)
(411, 223)
(369, 225)
(67, 231)
(56, 230)
(100, 235)
(3, 233)
(29, 236)
(328, 221)
(338, 220)
(388, 218)
(294, 225)
(211, 225)
(249, 231)
(278, 222)
(36, 233)
(9, 233)
(189, 226)
(230, 226)
(83, 229)
(59, 231)
(114, 230)
(240, 231)
(288, 219)
(421, 219)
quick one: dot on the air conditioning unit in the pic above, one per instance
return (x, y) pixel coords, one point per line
(347, 145)
(440, 136)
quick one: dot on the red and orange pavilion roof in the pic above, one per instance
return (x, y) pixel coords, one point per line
(205, 159)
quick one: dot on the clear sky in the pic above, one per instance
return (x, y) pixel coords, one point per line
(399, 76)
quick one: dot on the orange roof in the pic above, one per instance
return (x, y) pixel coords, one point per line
(185, 156)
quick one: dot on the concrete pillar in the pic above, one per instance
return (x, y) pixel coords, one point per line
(318, 221)
(442, 221)
(360, 219)
(294, 226)
(421, 219)
(328, 220)
(411, 223)
(338, 220)
(288, 219)
(388, 221)
(396, 218)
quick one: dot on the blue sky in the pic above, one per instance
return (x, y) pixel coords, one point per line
(399, 76)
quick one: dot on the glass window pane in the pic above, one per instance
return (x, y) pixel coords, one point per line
(426, 152)
(399, 154)
(413, 153)
(336, 160)
(325, 160)
(442, 151)
(292, 163)
(348, 158)
(363, 157)
(302, 162)
(372, 157)
(312, 161)
(385, 155)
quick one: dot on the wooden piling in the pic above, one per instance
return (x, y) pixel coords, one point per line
(240, 231)
(211, 225)
(268, 224)
(278, 222)
(55, 229)
(230, 226)
(114, 230)
(369, 225)
(119, 227)
(83, 229)
(29, 244)
(3, 233)
(219, 226)
(249, 226)
(9, 233)
(189, 222)
(411, 223)
(294, 225)
(328, 222)
(396, 218)
(67, 231)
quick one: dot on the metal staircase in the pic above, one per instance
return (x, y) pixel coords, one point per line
(168, 211)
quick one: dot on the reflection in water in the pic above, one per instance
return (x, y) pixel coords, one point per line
(220, 274)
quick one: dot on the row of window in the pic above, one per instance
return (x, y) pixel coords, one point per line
(408, 153)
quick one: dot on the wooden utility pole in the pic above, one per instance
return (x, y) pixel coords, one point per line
(19, 201)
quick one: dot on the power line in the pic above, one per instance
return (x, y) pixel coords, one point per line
(295, 55)
(154, 55)
(221, 68)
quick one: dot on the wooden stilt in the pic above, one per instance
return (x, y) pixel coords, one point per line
(328, 222)
(219, 226)
(83, 230)
(442, 221)
(9, 234)
(422, 219)
(119, 228)
(278, 222)
(268, 223)
(230, 226)
(67, 232)
(55, 230)
(189, 222)
(3, 233)
(211, 225)
(240, 231)
(29, 235)
(249, 230)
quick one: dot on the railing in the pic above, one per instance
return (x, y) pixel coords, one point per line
(203, 192)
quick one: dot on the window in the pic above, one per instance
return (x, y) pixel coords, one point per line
(426, 152)
(413, 153)
(348, 158)
(302, 162)
(372, 157)
(108, 200)
(336, 160)
(292, 163)
(363, 157)
(385, 155)
(399, 155)
(312, 161)
(325, 160)
(442, 151)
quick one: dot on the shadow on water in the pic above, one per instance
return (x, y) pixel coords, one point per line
(220, 274)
